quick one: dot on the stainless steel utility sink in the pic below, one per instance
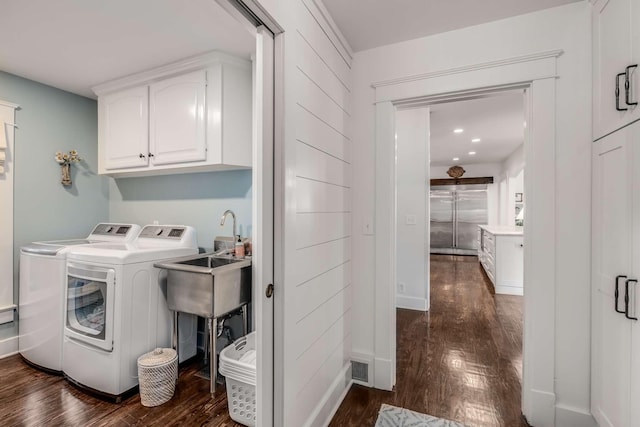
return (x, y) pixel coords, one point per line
(207, 285)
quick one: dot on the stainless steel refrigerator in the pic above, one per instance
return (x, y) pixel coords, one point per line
(456, 212)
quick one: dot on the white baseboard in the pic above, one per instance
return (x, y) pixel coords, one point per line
(369, 360)
(542, 411)
(509, 290)
(573, 417)
(330, 402)
(382, 374)
(8, 347)
(411, 303)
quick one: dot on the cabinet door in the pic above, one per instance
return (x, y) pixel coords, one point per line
(612, 252)
(125, 128)
(177, 122)
(612, 54)
(635, 58)
(634, 138)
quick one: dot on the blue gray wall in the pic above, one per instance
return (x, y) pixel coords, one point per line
(52, 120)
(197, 200)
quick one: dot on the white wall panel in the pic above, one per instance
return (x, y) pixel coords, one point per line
(321, 382)
(313, 326)
(309, 363)
(312, 98)
(311, 130)
(316, 165)
(312, 262)
(317, 296)
(312, 294)
(315, 68)
(312, 32)
(314, 196)
(317, 228)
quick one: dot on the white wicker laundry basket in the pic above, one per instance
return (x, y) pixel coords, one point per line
(238, 365)
(157, 373)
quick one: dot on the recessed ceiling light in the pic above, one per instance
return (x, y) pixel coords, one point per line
(475, 140)
(459, 130)
(455, 159)
(472, 153)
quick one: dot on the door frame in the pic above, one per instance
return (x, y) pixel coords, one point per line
(537, 75)
(268, 256)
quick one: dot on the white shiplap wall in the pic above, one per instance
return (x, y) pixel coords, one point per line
(317, 227)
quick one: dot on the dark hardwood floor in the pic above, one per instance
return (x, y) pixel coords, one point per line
(461, 361)
(29, 397)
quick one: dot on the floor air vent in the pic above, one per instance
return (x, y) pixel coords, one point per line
(360, 371)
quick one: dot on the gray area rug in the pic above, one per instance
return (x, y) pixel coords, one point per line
(392, 416)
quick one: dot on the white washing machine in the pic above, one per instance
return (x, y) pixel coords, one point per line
(42, 289)
(116, 309)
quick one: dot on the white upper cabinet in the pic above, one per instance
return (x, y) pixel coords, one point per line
(190, 116)
(616, 45)
(177, 119)
(124, 122)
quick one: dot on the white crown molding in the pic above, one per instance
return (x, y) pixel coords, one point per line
(330, 28)
(9, 104)
(185, 65)
(468, 68)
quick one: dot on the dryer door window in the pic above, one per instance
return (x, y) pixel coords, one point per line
(89, 302)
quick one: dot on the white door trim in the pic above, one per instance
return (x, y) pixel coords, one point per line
(263, 203)
(538, 73)
(7, 127)
(268, 256)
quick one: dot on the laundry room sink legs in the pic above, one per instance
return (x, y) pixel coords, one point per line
(212, 324)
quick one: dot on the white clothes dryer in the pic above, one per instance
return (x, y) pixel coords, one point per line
(116, 308)
(42, 289)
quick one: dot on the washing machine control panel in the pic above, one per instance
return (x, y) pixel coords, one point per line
(111, 230)
(163, 232)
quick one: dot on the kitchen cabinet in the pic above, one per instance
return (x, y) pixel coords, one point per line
(616, 49)
(191, 116)
(500, 252)
(615, 269)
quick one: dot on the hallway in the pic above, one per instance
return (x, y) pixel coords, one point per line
(462, 360)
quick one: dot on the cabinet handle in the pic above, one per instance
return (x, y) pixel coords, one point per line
(618, 92)
(626, 298)
(151, 155)
(627, 84)
(617, 293)
(142, 156)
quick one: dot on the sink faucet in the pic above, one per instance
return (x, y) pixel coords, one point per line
(224, 216)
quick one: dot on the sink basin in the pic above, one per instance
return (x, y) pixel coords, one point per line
(207, 285)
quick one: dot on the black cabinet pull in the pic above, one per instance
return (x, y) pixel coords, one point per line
(617, 293)
(142, 156)
(627, 85)
(626, 298)
(618, 92)
(151, 155)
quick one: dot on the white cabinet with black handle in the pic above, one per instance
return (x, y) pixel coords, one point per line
(616, 55)
(615, 373)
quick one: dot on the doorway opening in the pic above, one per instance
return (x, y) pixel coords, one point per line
(460, 252)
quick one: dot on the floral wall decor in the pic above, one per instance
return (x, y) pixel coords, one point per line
(65, 160)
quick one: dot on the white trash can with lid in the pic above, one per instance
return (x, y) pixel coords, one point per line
(157, 374)
(238, 365)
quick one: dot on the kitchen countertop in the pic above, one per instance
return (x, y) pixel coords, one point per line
(502, 230)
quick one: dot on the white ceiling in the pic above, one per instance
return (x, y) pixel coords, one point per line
(367, 24)
(76, 44)
(497, 120)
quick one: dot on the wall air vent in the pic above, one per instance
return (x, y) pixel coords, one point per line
(360, 371)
